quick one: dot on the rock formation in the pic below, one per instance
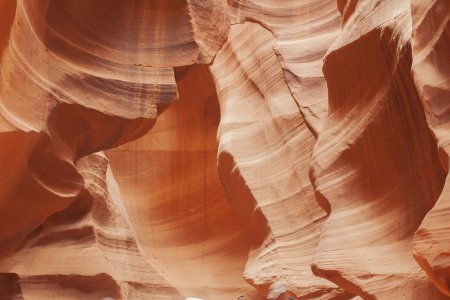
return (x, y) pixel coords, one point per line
(431, 53)
(239, 149)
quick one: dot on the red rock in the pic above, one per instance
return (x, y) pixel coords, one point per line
(240, 149)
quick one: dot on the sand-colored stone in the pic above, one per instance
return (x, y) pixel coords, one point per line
(224, 149)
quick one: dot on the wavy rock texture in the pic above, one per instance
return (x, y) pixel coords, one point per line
(303, 30)
(431, 50)
(93, 237)
(175, 200)
(50, 54)
(174, 197)
(239, 149)
(265, 148)
(375, 167)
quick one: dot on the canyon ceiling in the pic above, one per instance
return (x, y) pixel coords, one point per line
(224, 149)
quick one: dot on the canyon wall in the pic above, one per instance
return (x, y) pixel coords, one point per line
(224, 149)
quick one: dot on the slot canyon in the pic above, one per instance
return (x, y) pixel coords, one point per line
(224, 149)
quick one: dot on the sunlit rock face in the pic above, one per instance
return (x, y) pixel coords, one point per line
(224, 149)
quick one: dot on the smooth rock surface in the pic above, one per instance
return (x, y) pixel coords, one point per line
(224, 149)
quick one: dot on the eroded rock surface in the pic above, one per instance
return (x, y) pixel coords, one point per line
(224, 149)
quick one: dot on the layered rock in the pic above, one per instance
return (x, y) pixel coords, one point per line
(375, 166)
(431, 56)
(264, 153)
(174, 198)
(240, 149)
(88, 249)
(303, 31)
(88, 81)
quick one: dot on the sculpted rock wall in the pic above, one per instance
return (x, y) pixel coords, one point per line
(264, 153)
(375, 164)
(224, 149)
(431, 52)
(175, 200)
(303, 31)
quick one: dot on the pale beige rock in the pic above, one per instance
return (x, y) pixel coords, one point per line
(375, 167)
(264, 153)
(303, 30)
(431, 63)
(224, 149)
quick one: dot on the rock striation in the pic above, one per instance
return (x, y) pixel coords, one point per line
(431, 53)
(224, 149)
(375, 166)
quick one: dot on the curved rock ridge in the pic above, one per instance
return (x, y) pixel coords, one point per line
(264, 153)
(175, 201)
(42, 175)
(66, 51)
(303, 30)
(89, 85)
(346, 8)
(92, 234)
(431, 63)
(375, 166)
(224, 149)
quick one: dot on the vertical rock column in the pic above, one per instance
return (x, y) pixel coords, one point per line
(175, 200)
(431, 70)
(375, 166)
(264, 153)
